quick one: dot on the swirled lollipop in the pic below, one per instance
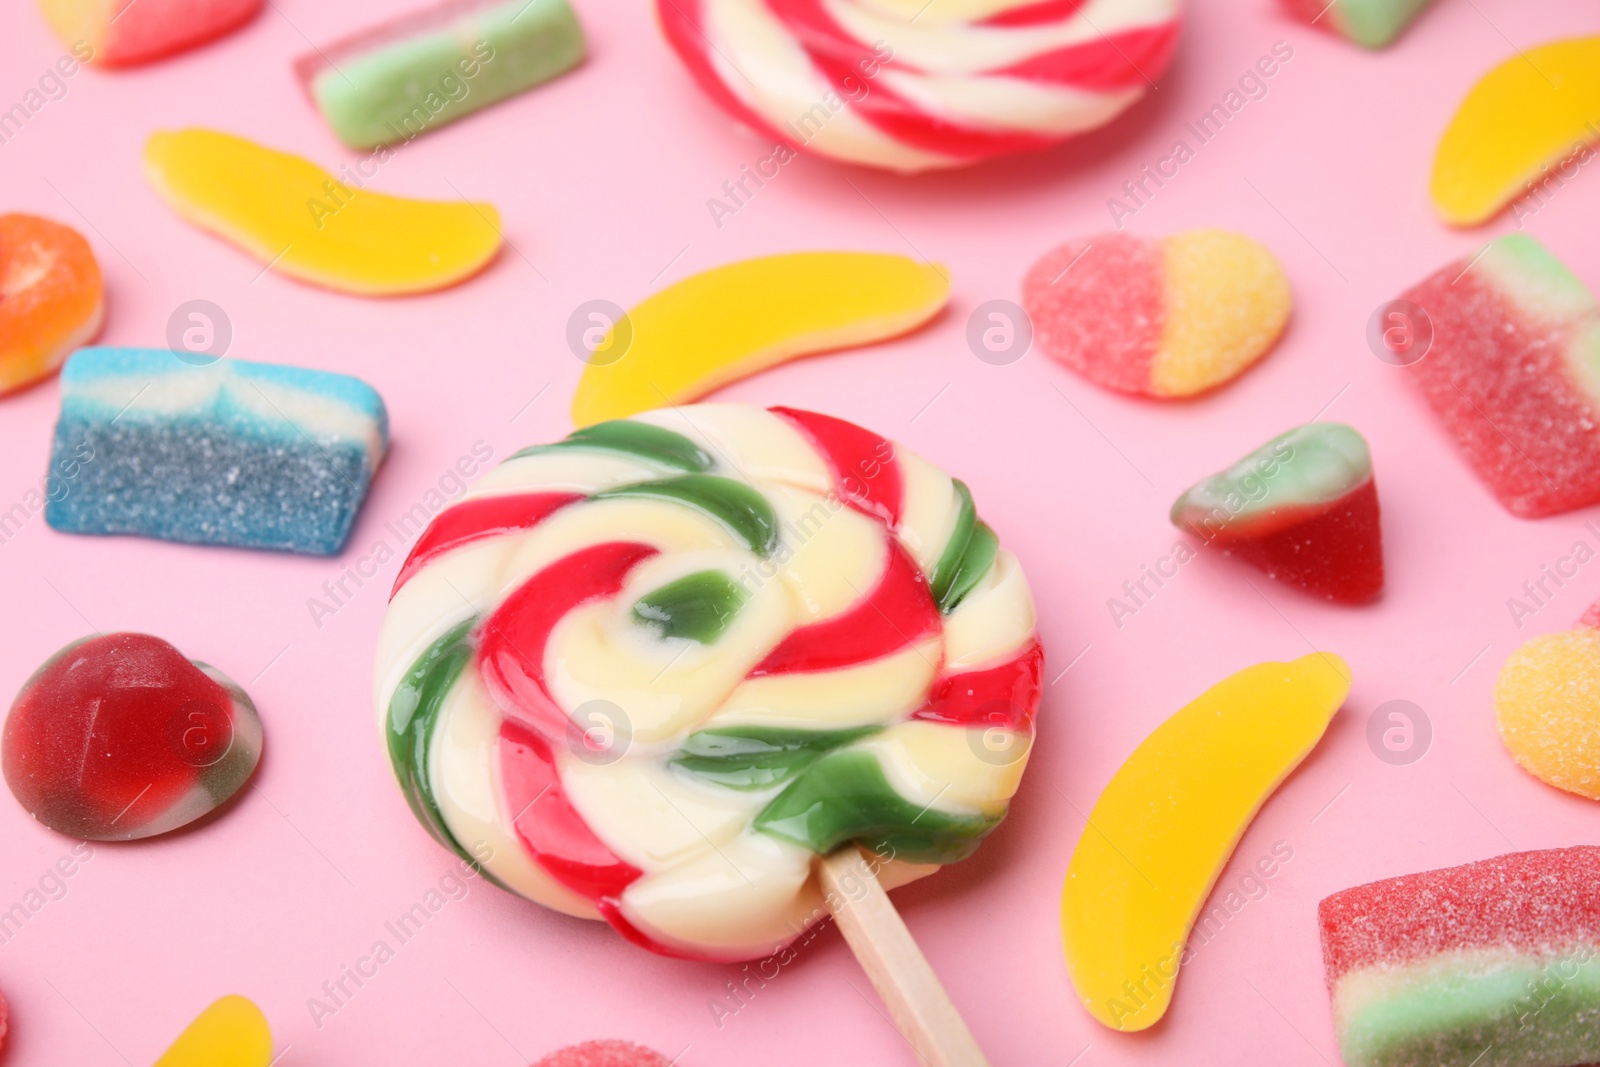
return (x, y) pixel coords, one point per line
(912, 85)
(651, 673)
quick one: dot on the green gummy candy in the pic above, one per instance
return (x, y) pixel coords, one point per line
(388, 86)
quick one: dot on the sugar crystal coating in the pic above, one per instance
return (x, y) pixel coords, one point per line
(1168, 317)
(254, 455)
(1513, 372)
(123, 32)
(392, 82)
(1547, 706)
(118, 736)
(1490, 962)
(604, 1054)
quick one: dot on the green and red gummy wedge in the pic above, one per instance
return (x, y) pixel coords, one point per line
(1303, 507)
(1491, 964)
(1368, 23)
(1513, 372)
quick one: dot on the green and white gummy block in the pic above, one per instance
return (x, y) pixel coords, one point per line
(390, 83)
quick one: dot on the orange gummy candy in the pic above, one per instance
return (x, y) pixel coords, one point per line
(51, 300)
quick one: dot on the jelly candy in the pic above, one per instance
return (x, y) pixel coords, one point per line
(1303, 507)
(739, 319)
(119, 32)
(255, 455)
(650, 673)
(50, 298)
(232, 1032)
(1164, 827)
(421, 70)
(1547, 702)
(1163, 318)
(1507, 371)
(1526, 115)
(328, 230)
(1437, 969)
(1369, 23)
(910, 86)
(119, 737)
(605, 1054)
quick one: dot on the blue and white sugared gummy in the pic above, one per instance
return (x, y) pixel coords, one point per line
(254, 455)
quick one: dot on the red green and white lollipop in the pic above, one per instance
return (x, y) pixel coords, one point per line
(652, 672)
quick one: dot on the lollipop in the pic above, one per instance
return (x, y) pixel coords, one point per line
(909, 86)
(653, 672)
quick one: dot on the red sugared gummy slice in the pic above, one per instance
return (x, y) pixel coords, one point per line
(605, 1054)
(1496, 374)
(1335, 551)
(1103, 319)
(1532, 902)
(141, 30)
(94, 745)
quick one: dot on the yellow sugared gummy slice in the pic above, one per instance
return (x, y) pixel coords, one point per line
(292, 214)
(1547, 702)
(1166, 825)
(735, 320)
(1227, 303)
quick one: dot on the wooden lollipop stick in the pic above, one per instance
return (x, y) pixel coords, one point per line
(895, 965)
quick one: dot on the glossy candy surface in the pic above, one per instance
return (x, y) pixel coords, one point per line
(1161, 317)
(329, 230)
(119, 737)
(1167, 823)
(1369, 23)
(697, 649)
(51, 299)
(232, 1032)
(739, 319)
(1547, 705)
(1491, 962)
(1303, 507)
(255, 455)
(1529, 113)
(122, 32)
(423, 69)
(908, 86)
(1513, 372)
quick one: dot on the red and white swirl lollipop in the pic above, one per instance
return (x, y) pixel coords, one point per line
(913, 85)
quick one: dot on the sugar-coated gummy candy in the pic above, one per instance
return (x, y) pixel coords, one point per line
(1495, 962)
(119, 32)
(1534, 111)
(1547, 705)
(732, 321)
(255, 455)
(232, 1032)
(391, 82)
(605, 1054)
(1161, 317)
(304, 222)
(1511, 373)
(702, 647)
(51, 299)
(912, 89)
(118, 736)
(1369, 23)
(1303, 507)
(1168, 821)
(5, 1021)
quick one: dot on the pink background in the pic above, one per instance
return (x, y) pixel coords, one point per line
(603, 178)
